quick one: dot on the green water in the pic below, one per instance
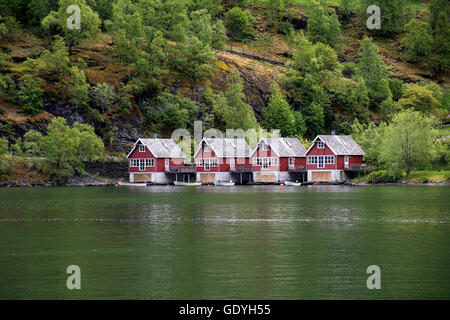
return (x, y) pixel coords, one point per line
(260, 242)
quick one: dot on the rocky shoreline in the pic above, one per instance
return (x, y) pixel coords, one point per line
(92, 181)
(85, 181)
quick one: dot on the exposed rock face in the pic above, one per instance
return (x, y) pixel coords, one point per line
(108, 169)
(63, 109)
(256, 75)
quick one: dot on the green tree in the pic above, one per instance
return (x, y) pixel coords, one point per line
(374, 72)
(387, 109)
(408, 142)
(193, 60)
(57, 20)
(32, 143)
(418, 42)
(441, 44)
(278, 114)
(436, 7)
(323, 24)
(231, 107)
(369, 137)
(169, 112)
(4, 146)
(30, 97)
(239, 23)
(66, 148)
(393, 15)
(79, 90)
(57, 58)
(419, 98)
(103, 96)
(213, 6)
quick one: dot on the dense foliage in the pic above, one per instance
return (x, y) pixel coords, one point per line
(164, 67)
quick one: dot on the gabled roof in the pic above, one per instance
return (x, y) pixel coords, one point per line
(161, 148)
(284, 147)
(340, 145)
(227, 147)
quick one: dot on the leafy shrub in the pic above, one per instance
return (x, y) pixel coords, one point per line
(239, 22)
(103, 96)
(3, 146)
(30, 98)
(383, 176)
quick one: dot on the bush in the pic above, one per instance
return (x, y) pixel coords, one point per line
(3, 146)
(239, 23)
(30, 98)
(383, 176)
(103, 96)
(348, 69)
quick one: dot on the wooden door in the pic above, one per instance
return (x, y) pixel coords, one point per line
(321, 176)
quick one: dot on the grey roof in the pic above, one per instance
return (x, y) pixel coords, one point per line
(286, 147)
(342, 145)
(229, 147)
(163, 148)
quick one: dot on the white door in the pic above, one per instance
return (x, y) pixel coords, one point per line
(167, 164)
(232, 164)
(346, 161)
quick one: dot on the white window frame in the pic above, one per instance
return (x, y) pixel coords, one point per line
(320, 145)
(346, 161)
(264, 147)
(320, 164)
(265, 163)
(141, 148)
(291, 162)
(207, 148)
(134, 163)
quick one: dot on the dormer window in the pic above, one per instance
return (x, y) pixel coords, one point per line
(264, 147)
(320, 145)
(141, 148)
(207, 148)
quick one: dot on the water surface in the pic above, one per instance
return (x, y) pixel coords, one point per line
(259, 242)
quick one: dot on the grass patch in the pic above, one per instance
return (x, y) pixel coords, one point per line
(428, 176)
(423, 176)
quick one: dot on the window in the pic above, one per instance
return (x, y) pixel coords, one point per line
(312, 160)
(264, 147)
(329, 159)
(134, 163)
(207, 148)
(291, 162)
(320, 145)
(149, 162)
(321, 164)
(141, 148)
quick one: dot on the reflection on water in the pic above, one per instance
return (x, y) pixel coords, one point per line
(259, 242)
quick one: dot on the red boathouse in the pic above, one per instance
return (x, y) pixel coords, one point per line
(333, 157)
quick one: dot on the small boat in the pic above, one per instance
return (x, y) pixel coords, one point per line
(224, 183)
(133, 184)
(191, 184)
(292, 183)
